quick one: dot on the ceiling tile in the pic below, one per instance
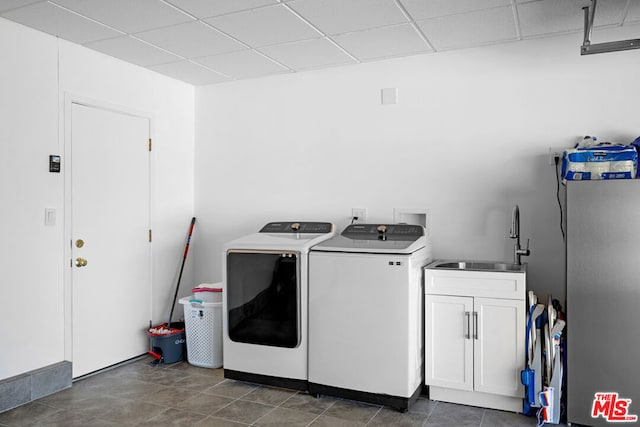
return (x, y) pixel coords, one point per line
(242, 64)
(12, 4)
(264, 26)
(130, 16)
(341, 16)
(391, 41)
(470, 29)
(59, 22)
(424, 9)
(308, 54)
(634, 12)
(189, 72)
(208, 8)
(191, 40)
(134, 51)
(562, 16)
(161, 33)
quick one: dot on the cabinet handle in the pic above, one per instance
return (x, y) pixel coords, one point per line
(475, 325)
(467, 334)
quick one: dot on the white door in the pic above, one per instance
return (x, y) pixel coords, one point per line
(449, 341)
(111, 294)
(499, 350)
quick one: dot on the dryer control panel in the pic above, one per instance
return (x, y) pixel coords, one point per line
(383, 232)
(297, 227)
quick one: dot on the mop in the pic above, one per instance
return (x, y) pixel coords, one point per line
(166, 329)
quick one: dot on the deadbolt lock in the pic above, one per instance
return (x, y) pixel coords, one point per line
(81, 262)
(79, 243)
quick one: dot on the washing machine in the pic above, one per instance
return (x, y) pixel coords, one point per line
(265, 303)
(365, 314)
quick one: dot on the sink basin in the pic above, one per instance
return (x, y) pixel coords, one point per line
(477, 266)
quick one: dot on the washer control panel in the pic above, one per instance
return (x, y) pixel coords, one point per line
(297, 227)
(383, 232)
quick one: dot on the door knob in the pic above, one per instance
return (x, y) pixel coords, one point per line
(81, 262)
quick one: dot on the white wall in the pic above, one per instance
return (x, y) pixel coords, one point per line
(468, 139)
(37, 70)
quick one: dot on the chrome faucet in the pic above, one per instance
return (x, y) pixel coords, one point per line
(514, 233)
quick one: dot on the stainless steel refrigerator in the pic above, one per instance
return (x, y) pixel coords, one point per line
(603, 301)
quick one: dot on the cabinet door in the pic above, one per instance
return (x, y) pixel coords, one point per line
(448, 341)
(499, 353)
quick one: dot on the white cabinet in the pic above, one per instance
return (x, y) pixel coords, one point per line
(475, 337)
(449, 351)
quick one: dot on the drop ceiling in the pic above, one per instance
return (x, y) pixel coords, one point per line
(212, 41)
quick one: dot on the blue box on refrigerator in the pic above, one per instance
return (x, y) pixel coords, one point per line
(600, 162)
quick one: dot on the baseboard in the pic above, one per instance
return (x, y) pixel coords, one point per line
(475, 398)
(27, 387)
(398, 402)
(290, 383)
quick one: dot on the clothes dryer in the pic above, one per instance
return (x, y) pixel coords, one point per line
(365, 314)
(265, 303)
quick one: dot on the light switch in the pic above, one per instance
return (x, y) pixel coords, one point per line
(49, 216)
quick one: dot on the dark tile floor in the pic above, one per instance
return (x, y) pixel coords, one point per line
(184, 395)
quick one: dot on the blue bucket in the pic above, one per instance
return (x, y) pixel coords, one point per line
(168, 348)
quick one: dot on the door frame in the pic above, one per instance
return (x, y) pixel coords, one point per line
(65, 129)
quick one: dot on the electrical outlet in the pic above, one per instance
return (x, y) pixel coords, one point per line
(555, 152)
(360, 213)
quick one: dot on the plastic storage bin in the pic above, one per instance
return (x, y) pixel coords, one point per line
(203, 324)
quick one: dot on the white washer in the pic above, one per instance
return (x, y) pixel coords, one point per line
(265, 303)
(365, 314)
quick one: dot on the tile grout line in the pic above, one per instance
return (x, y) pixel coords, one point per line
(314, 420)
(374, 415)
(262, 416)
(236, 400)
(323, 412)
(296, 392)
(233, 401)
(430, 413)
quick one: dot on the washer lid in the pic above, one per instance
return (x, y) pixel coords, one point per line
(299, 236)
(377, 238)
(297, 227)
(384, 232)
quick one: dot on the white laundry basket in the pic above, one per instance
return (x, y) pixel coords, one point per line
(203, 324)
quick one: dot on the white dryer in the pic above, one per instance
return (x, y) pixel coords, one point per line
(265, 304)
(365, 314)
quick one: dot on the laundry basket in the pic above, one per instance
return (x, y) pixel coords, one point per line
(203, 324)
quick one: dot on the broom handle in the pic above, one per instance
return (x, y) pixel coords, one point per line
(184, 258)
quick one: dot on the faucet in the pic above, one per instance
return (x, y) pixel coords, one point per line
(514, 233)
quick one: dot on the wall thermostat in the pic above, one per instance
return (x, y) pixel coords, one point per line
(54, 163)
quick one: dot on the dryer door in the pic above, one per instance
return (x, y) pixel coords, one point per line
(263, 297)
